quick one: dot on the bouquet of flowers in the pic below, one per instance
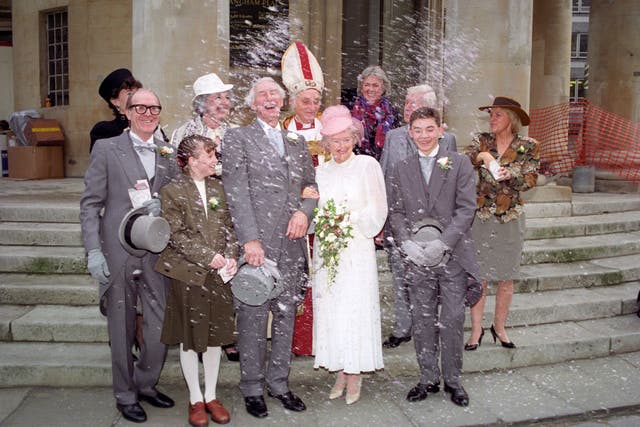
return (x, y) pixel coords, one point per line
(333, 231)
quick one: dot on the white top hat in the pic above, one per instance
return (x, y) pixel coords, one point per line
(300, 69)
(138, 232)
(208, 84)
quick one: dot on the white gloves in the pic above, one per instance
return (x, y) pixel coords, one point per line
(97, 266)
(153, 206)
(428, 255)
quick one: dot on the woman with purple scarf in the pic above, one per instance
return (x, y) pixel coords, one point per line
(375, 112)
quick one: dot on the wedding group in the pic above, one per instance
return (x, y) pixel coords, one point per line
(272, 231)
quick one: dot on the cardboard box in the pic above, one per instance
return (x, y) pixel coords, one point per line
(43, 132)
(28, 162)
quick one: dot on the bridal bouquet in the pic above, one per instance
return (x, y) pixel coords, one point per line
(333, 231)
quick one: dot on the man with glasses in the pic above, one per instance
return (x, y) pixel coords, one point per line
(119, 166)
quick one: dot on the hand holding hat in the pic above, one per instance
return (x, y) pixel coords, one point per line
(414, 252)
(153, 206)
(434, 252)
(97, 266)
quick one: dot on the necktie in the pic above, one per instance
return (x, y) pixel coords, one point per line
(426, 165)
(275, 137)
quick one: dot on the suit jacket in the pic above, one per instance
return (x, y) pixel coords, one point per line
(195, 236)
(398, 146)
(263, 189)
(114, 167)
(450, 198)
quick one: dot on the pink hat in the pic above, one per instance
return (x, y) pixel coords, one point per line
(336, 119)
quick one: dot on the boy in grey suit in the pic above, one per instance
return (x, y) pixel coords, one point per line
(117, 165)
(398, 145)
(435, 184)
(264, 172)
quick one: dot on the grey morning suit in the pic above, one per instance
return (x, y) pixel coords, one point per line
(114, 167)
(450, 197)
(263, 190)
(397, 147)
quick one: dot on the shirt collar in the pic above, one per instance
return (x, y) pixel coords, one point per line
(265, 126)
(433, 153)
(137, 140)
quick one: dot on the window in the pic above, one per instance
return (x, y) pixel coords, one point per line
(579, 45)
(56, 52)
(577, 89)
(581, 6)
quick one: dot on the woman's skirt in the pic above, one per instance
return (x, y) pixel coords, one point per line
(498, 247)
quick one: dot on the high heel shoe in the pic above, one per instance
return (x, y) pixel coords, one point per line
(352, 398)
(471, 347)
(338, 387)
(506, 344)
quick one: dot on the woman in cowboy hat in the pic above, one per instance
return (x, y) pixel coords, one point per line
(507, 164)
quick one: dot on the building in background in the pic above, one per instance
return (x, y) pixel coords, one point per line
(579, 46)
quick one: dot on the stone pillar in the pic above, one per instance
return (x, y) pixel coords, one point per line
(614, 57)
(175, 42)
(551, 52)
(489, 44)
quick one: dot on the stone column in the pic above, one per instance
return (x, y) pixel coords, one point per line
(487, 54)
(551, 52)
(175, 42)
(614, 57)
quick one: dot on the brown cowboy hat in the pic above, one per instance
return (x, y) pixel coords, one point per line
(509, 104)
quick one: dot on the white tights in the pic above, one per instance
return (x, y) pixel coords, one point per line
(211, 365)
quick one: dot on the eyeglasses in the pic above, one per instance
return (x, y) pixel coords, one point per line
(142, 109)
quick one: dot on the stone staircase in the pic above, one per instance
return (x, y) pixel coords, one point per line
(575, 300)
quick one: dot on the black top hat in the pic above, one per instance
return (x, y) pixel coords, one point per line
(112, 82)
(509, 104)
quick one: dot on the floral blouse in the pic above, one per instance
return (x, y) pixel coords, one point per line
(503, 199)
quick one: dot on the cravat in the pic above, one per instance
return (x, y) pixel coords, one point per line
(275, 137)
(140, 148)
(426, 165)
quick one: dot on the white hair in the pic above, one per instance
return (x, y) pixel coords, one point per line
(429, 97)
(251, 96)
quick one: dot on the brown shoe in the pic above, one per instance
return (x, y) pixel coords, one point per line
(218, 413)
(198, 415)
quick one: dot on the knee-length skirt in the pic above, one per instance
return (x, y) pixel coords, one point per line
(498, 247)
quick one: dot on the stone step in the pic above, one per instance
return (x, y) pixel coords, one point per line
(67, 289)
(547, 228)
(42, 260)
(33, 210)
(40, 234)
(570, 249)
(60, 323)
(599, 203)
(88, 364)
(597, 272)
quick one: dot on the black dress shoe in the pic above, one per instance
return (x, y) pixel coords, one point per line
(458, 395)
(421, 391)
(255, 406)
(160, 400)
(393, 341)
(290, 401)
(133, 412)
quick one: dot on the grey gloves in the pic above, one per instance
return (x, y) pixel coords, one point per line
(428, 255)
(153, 206)
(97, 266)
(270, 268)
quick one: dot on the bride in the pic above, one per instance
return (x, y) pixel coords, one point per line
(346, 327)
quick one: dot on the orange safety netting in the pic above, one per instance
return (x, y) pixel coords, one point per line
(579, 133)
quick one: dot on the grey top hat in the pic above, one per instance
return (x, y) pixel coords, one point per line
(427, 230)
(255, 285)
(140, 233)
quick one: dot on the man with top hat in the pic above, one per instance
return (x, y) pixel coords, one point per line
(398, 146)
(302, 76)
(123, 173)
(264, 172)
(114, 89)
(431, 218)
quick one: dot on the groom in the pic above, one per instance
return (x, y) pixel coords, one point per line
(264, 172)
(437, 271)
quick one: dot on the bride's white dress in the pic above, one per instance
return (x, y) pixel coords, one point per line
(346, 313)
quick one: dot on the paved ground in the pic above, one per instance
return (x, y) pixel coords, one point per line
(583, 393)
